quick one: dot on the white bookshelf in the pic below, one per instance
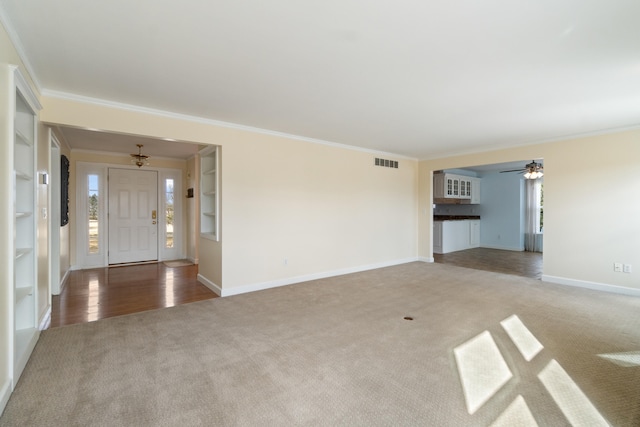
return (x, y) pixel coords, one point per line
(25, 318)
(209, 192)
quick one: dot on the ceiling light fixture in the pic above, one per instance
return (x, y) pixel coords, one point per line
(140, 159)
(534, 171)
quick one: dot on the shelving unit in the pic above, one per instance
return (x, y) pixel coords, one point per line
(209, 198)
(25, 319)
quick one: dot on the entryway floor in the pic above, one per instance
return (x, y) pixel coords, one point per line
(113, 291)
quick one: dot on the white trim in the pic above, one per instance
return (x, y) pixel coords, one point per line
(209, 284)
(17, 44)
(63, 281)
(592, 285)
(305, 278)
(193, 260)
(426, 259)
(211, 122)
(5, 394)
(46, 320)
(25, 90)
(566, 137)
(504, 248)
(124, 155)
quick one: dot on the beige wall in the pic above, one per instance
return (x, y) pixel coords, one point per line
(323, 208)
(191, 214)
(592, 205)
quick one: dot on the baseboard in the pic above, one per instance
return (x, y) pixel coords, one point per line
(592, 285)
(504, 248)
(305, 278)
(209, 284)
(5, 394)
(63, 282)
(46, 320)
(193, 260)
(426, 259)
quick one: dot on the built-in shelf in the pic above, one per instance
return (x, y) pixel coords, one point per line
(23, 175)
(20, 252)
(23, 292)
(22, 138)
(25, 321)
(209, 196)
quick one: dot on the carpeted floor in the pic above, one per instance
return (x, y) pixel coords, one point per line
(339, 351)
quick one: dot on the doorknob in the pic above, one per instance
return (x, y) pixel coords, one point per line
(153, 223)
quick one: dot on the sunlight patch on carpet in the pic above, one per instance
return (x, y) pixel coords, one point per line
(573, 403)
(483, 371)
(517, 414)
(627, 360)
(528, 345)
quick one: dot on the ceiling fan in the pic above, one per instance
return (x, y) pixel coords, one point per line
(531, 170)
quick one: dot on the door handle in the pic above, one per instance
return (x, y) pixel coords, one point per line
(153, 223)
(153, 215)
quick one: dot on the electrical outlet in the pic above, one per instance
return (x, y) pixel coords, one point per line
(626, 268)
(617, 267)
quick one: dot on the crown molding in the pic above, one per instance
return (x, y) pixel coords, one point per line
(211, 122)
(18, 46)
(565, 137)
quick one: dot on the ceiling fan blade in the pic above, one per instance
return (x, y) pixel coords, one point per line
(514, 170)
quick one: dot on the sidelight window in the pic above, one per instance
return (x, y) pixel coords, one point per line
(93, 224)
(169, 212)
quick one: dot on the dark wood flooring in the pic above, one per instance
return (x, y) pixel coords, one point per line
(106, 292)
(527, 264)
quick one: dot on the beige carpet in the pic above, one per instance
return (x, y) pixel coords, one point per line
(339, 352)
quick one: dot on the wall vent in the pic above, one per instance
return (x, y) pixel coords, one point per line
(386, 163)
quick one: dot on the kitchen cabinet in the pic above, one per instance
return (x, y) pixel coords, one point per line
(458, 235)
(451, 186)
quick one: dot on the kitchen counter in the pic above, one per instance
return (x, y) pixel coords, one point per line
(454, 217)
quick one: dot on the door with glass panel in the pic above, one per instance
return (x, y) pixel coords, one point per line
(133, 215)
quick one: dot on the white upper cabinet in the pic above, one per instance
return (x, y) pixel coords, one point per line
(450, 186)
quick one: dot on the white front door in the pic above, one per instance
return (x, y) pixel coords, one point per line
(133, 220)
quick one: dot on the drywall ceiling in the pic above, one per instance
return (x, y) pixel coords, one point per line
(82, 139)
(418, 78)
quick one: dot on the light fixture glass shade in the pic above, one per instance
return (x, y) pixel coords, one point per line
(140, 159)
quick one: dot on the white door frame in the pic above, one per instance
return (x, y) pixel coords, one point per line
(83, 259)
(54, 216)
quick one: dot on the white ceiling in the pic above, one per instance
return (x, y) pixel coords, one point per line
(416, 78)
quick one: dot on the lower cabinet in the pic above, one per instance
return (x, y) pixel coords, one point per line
(451, 236)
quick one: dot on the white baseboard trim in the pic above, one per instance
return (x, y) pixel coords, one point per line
(504, 248)
(592, 285)
(305, 278)
(426, 259)
(193, 260)
(209, 284)
(63, 282)
(5, 394)
(46, 320)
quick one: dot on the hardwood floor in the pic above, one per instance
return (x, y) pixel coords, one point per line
(106, 292)
(527, 264)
